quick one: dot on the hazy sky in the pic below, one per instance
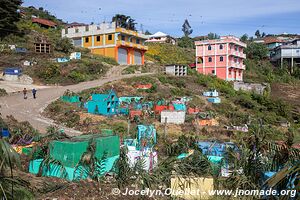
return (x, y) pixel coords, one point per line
(223, 17)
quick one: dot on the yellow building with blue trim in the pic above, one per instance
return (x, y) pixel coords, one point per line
(125, 46)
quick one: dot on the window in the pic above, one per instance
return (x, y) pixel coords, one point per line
(110, 37)
(98, 38)
(221, 59)
(130, 40)
(221, 46)
(86, 28)
(123, 37)
(66, 31)
(138, 41)
(240, 73)
(236, 48)
(209, 59)
(86, 40)
(76, 30)
(209, 47)
(213, 71)
(229, 72)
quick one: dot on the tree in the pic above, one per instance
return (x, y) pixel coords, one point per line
(186, 42)
(257, 34)
(64, 44)
(124, 21)
(256, 51)
(212, 36)
(244, 38)
(263, 34)
(186, 28)
(148, 32)
(9, 16)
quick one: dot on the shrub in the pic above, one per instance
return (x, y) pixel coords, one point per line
(2, 92)
(64, 45)
(77, 76)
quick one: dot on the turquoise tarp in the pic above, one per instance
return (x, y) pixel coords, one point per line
(129, 99)
(68, 172)
(179, 106)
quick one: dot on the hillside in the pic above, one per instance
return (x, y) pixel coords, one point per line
(237, 108)
(44, 69)
(170, 54)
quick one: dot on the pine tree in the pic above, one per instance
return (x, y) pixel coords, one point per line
(9, 16)
(257, 34)
(186, 28)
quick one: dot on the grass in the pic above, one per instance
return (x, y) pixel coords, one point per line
(169, 54)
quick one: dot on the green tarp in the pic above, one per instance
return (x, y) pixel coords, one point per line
(69, 152)
(70, 99)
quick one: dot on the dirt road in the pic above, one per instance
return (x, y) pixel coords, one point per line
(30, 109)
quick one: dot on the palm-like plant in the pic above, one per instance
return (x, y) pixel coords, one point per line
(11, 187)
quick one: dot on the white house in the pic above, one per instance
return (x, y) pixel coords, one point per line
(161, 37)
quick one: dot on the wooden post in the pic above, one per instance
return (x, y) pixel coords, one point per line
(165, 129)
(128, 127)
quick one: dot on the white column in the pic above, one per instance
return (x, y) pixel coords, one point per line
(227, 59)
(196, 58)
(215, 59)
(203, 65)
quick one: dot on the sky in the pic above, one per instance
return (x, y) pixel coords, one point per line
(224, 17)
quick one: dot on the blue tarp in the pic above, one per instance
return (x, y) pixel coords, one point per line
(215, 148)
(62, 60)
(5, 132)
(20, 50)
(214, 100)
(13, 71)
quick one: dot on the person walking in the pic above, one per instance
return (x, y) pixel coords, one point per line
(34, 93)
(25, 93)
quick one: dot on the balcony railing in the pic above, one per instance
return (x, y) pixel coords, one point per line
(130, 44)
(237, 65)
(237, 53)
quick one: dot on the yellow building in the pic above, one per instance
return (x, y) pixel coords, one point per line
(125, 46)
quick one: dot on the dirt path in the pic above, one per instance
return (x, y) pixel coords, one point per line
(30, 109)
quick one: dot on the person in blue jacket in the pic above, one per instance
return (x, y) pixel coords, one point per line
(34, 93)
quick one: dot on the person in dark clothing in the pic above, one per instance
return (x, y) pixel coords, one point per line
(34, 93)
(25, 93)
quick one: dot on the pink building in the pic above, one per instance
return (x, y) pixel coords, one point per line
(221, 57)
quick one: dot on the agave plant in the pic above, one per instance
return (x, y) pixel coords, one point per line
(287, 178)
(89, 165)
(11, 187)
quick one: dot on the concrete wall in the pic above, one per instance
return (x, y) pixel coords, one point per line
(192, 187)
(255, 87)
(174, 117)
(176, 70)
(8, 77)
